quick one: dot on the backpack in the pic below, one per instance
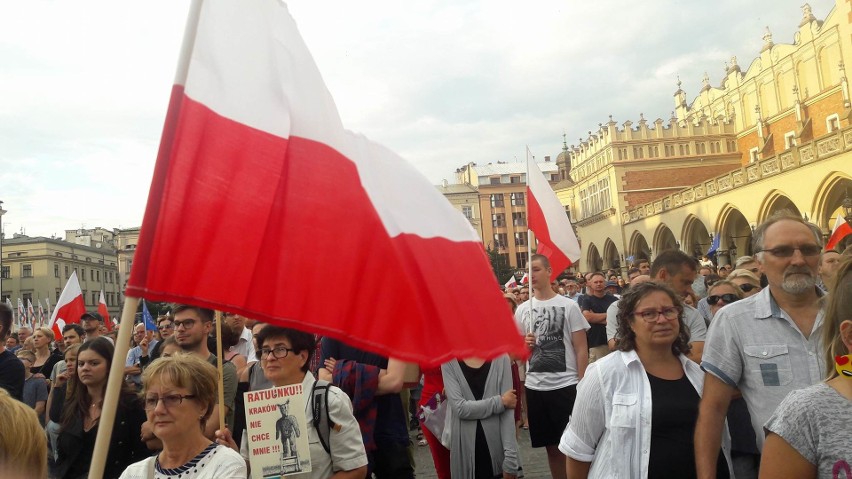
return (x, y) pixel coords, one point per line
(319, 404)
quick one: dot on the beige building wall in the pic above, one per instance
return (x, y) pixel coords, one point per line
(38, 268)
(125, 245)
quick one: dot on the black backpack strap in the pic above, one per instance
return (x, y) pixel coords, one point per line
(319, 405)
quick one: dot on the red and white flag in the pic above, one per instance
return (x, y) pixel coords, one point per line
(104, 311)
(70, 306)
(547, 219)
(253, 144)
(840, 231)
(512, 283)
(31, 313)
(22, 314)
(525, 279)
(41, 317)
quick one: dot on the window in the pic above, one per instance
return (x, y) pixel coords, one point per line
(521, 258)
(670, 150)
(496, 202)
(603, 192)
(585, 207)
(638, 152)
(95, 298)
(56, 270)
(732, 145)
(26, 271)
(520, 239)
(519, 219)
(515, 179)
(517, 199)
(789, 140)
(684, 149)
(495, 180)
(467, 211)
(832, 123)
(702, 149)
(754, 155)
(501, 241)
(5, 272)
(82, 274)
(654, 152)
(27, 298)
(67, 273)
(498, 220)
(503, 258)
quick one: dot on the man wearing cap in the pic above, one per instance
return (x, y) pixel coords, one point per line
(594, 306)
(613, 288)
(92, 323)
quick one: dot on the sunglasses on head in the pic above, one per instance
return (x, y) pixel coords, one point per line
(727, 298)
(747, 287)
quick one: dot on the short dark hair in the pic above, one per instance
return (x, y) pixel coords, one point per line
(673, 261)
(76, 327)
(5, 320)
(299, 341)
(642, 260)
(625, 338)
(633, 271)
(205, 314)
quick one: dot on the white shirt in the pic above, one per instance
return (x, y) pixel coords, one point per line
(224, 463)
(245, 346)
(611, 421)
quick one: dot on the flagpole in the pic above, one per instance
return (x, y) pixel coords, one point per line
(220, 366)
(113, 389)
(529, 242)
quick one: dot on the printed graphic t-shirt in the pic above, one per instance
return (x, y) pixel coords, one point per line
(553, 363)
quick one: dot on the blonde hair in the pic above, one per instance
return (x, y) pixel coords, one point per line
(47, 332)
(23, 444)
(26, 354)
(744, 273)
(185, 371)
(838, 309)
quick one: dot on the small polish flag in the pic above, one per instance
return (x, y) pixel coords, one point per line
(840, 231)
(70, 306)
(512, 283)
(525, 279)
(104, 311)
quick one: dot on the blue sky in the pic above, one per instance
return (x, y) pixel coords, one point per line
(86, 83)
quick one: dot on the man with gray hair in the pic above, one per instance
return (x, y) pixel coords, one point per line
(768, 344)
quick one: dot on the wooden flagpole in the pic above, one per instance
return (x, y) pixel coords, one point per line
(113, 389)
(221, 374)
(529, 245)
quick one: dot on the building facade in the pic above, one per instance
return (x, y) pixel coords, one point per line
(37, 269)
(775, 136)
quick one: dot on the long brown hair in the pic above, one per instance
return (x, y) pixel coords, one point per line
(839, 309)
(76, 407)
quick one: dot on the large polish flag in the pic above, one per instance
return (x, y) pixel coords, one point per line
(104, 311)
(257, 182)
(70, 306)
(840, 231)
(547, 219)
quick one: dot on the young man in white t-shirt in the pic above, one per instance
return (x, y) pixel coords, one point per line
(556, 335)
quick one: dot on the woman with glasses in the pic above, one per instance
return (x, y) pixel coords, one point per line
(636, 408)
(810, 433)
(82, 412)
(284, 356)
(722, 293)
(179, 395)
(746, 281)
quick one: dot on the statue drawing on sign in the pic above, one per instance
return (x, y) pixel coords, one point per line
(288, 430)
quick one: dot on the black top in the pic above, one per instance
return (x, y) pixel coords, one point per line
(12, 375)
(674, 412)
(596, 335)
(47, 368)
(476, 378)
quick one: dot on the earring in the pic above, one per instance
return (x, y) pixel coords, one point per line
(843, 365)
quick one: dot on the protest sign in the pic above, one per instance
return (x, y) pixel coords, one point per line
(277, 432)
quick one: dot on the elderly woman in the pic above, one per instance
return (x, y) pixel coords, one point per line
(636, 408)
(284, 355)
(179, 394)
(82, 412)
(747, 281)
(810, 433)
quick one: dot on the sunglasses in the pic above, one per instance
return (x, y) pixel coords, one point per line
(727, 298)
(747, 287)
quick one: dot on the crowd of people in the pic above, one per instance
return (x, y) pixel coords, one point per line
(682, 368)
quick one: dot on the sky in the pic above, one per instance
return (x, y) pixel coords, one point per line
(85, 84)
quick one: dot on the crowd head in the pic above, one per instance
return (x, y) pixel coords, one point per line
(651, 313)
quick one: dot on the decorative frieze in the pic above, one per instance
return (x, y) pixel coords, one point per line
(710, 187)
(828, 146)
(787, 161)
(769, 167)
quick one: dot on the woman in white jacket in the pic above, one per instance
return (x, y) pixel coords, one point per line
(636, 409)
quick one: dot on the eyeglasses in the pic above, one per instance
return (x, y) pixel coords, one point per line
(727, 298)
(651, 315)
(169, 401)
(278, 353)
(186, 323)
(787, 251)
(168, 326)
(746, 287)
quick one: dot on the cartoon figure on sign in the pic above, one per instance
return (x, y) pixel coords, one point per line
(288, 430)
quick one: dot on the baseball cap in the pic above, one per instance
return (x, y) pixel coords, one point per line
(611, 283)
(92, 315)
